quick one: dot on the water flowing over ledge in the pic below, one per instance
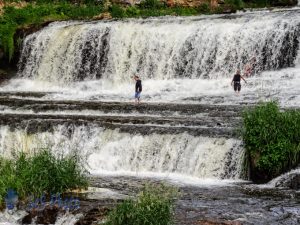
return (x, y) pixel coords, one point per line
(164, 48)
(73, 88)
(115, 144)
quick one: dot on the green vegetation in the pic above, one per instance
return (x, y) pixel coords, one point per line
(135, 12)
(36, 14)
(272, 139)
(40, 173)
(154, 206)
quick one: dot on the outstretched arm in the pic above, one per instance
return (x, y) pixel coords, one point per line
(243, 79)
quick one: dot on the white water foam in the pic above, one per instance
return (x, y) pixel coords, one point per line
(166, 48)
(107, 151)
(282, 85)
(179, 59)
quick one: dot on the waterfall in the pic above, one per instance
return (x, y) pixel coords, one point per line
(180, 60)
(164, 48)
(111, 151)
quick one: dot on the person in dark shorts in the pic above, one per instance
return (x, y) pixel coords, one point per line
(138, 89)
(236, 81)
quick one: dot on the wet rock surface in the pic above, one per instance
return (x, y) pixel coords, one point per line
(5, 74)
(231, 204)
(195, 119)
(289, 180)
(108, 107)
(46, 216)
(93, 209)
(94, 216)
(217, 222)
(294, 182)
(91, 212)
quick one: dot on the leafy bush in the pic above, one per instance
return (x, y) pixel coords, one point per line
(117, 11)
(133, 12)
(154, 206)
(235, 4)
(204, 8)
(152, 4)
(40, 173)
(272, 138)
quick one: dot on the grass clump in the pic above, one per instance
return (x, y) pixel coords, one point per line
(272, 139)
(153, 206)
(40, 173)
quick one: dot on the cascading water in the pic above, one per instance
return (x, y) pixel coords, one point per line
(179, 59)
(109, 151)
(188, 131)
(160, 48)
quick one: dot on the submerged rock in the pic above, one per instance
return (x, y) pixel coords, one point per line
(45, 216)
(4, 75)
(288, 180)
(2, 72)
(292, 182)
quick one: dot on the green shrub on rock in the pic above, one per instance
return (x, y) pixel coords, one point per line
(234, 4)
(152, 4)
(272, 140)
(40, 173)
(204, 8)
(154, 206)
(117, 11)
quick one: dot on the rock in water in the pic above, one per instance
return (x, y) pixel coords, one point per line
(217, 222)
(288, 180)
(3, 73)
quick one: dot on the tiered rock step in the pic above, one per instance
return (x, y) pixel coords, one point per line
(147, 118)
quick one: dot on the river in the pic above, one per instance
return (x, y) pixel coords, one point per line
(74, 93)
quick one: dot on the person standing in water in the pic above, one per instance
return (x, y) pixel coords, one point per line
(249, 68)
(138, 89)
(236, 81)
